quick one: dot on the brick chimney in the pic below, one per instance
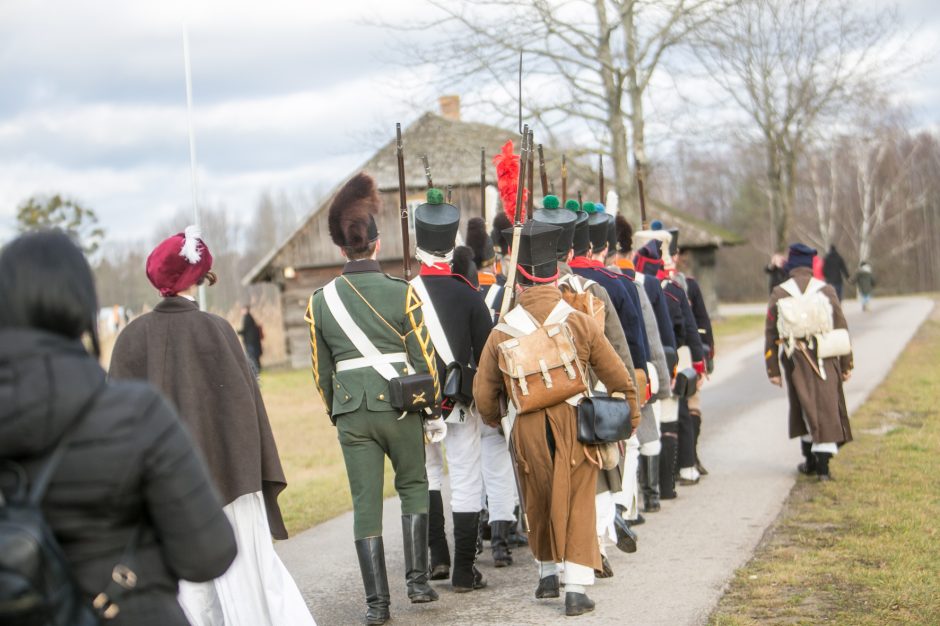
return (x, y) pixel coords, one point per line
(450, 107)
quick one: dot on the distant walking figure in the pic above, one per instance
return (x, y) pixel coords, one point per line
(834, 270)
(864, 279)
(251, 336)
(804, 318)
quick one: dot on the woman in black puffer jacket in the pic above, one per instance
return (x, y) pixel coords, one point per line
(130, 463)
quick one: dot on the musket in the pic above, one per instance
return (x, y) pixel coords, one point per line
(639, 189)
(600, 159)
(542, 175)
(483, 183)
(580, 202)
(564, 180)
(450, 192)
(403, 207)
(427, 170)
(508, 292)
(530, 175)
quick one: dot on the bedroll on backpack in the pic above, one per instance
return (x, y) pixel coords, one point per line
(572, 290)
(541, 369)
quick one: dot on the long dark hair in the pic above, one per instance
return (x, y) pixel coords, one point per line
(47, 284)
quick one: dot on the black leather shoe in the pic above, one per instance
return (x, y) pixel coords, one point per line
(548, 587)
(478, 583)
(808, 466)
(687, 482)
(606, 570)
(700, 468)
(437, 538)
(440, 571)
(577, 604)
(639, 521)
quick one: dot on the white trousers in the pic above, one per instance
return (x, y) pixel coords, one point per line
(668, 410)
(570, 573)
(652, 448)
(627, 497)
(462, 449)
(257, 590)
(498, 479)
(831, 448)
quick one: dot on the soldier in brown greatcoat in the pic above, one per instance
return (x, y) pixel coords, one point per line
(818, 414)
(557, 479)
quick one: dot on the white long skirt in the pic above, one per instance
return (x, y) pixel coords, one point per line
(257, 590)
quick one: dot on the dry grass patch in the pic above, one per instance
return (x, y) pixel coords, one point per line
(865, 548)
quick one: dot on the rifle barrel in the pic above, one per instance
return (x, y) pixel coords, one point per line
(530, 174)
(403, 208)
(564, 179)
(483, 183)
(427, 170)
(542, 175)
(600, 159)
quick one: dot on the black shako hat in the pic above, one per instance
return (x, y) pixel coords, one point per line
(537, 257)
(564, 219)
(436, 223)
(599, 229)
(480, 242)
(611, 234)
(581, 242)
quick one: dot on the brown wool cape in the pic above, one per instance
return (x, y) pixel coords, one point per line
(821, 401)
(197, 361)
(558, 492)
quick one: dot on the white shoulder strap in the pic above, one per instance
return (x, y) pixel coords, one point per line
(814, 285)
(491, 294)
(432, 322)
(355, 335)
(791, 288)
(559, 314)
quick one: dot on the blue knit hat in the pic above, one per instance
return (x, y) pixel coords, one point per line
(799, 255)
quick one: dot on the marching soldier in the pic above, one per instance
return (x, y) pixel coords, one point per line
(498, 481)
(575, 235)
(366, 330)
(558, 480)
(458, 323)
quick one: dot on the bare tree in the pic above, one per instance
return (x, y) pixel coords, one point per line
(792, 65)
(592, 60)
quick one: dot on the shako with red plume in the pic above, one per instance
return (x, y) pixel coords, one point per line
(507, 180)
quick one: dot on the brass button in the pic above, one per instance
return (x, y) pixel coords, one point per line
(337, 385)
(573, 463)
(347, 397)
(381, 396)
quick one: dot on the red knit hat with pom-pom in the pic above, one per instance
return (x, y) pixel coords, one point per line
(179, 262)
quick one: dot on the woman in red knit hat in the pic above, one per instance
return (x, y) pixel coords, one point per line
(196, 359)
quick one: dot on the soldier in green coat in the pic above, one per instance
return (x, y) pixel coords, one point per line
(366, 308)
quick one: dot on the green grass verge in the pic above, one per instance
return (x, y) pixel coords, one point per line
(317, 489)
(737, 325)
(865, 548)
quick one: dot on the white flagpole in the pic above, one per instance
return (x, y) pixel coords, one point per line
(192, 146)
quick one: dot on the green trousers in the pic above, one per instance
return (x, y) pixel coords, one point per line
(367, 437)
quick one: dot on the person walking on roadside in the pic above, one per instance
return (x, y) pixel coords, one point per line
(775, 272)
(129, 489)
(806, 333)
(864, 279)
(367, 333)
(197, 361)
(834, 270)
(252, 334)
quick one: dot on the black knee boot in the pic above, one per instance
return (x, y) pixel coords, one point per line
(697, 427)
(822, 465)
(517, 538)
(626, 538)
(809, 465)
(371, 553)
(649, 467)
(414, 530)
(437, 538)
(465, 576)
(499, 542)
(667, 461)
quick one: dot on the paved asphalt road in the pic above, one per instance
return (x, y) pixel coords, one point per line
(687, 552)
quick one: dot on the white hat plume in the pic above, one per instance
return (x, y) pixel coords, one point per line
(190, 250)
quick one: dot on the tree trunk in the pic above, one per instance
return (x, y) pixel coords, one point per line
(776, 192)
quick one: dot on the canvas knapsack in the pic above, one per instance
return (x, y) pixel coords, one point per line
(803, 314)
(574, 293)
(36, 584)
(540, 363)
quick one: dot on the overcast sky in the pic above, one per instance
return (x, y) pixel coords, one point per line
(288, 96)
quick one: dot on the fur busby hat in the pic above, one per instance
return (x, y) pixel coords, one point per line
(624, 234)
(500, 224)
(537, 259)
(553, 214)
(179, 262)
(436, 223)
(480, 242)
(351, 217)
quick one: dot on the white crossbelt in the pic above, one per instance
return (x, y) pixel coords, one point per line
(432, 322)
(371, 356)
